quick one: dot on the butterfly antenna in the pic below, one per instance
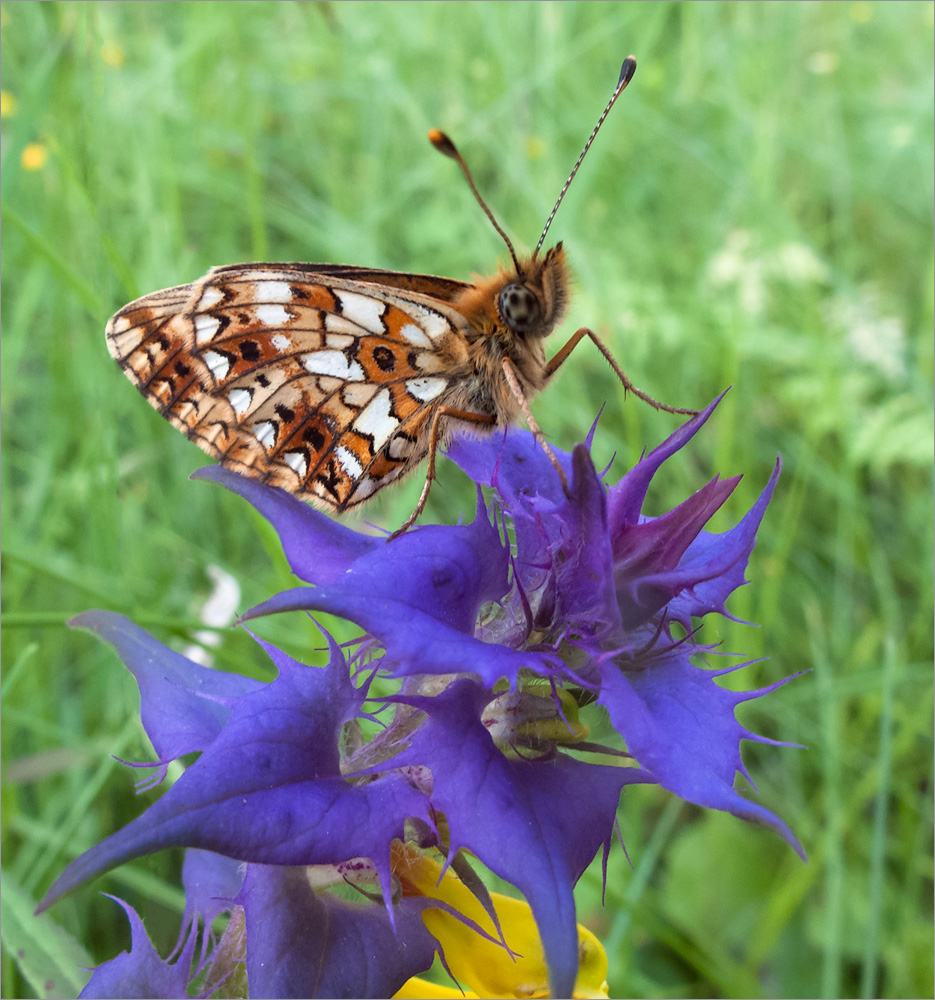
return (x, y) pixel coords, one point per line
(626, 75)
(444, 145)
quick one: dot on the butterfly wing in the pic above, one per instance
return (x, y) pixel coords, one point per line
(442, 289)
(320, 379)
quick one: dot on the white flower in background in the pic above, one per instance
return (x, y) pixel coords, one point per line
(735, 264)
(218, 611)
(798, 264)
(741, 264)
(875, 339)
(821, 63)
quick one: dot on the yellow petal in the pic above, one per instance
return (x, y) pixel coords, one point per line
(112, 54)
(7, 104)
(33, 156)
(422, 989)
(483, 966)
(535, 147)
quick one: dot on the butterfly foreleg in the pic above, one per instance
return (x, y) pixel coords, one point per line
(454, 414)
(512, 381)
(555, 363)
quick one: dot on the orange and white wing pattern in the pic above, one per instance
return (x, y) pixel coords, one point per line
(312, 380)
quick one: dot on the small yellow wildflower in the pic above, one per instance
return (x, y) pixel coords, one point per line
(7, 104)
(483, 966)
(112, 54)
(535, 147)
(422, 989)
(33, 156)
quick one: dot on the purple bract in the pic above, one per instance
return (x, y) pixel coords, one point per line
(493, 648)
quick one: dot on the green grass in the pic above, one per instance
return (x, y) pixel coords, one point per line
(756, 213)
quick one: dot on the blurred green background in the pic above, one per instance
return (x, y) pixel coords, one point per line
(757, 212)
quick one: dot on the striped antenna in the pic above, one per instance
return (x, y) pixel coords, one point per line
(626, 75)
(447, 148)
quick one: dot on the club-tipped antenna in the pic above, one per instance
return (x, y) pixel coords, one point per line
(444, 145)
(626, 75)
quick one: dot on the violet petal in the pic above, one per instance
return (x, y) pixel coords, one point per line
(625, 500)
(537, 824)
(141, 971)
(211, 883)
(300, 944)
(731, 551)
(680, 726)
(269, 788)
(183, 705)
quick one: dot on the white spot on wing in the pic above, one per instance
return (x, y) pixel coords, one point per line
(211, 296)
(415, 335)
(333, 363)
(205, 328)
(364, 488)
(341, 324)
(280, 342)
(375, 419)
(296, 461)
(265, 432)
(273, 291)
(425, 388)
(218, 364)
(338, 340)
(361, 309)
(240, 400)
(273, 315)
(349, 462)
(433, 324)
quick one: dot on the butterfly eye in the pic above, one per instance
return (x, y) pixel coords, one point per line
(519, 307)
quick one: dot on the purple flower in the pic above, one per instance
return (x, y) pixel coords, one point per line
(494, 650)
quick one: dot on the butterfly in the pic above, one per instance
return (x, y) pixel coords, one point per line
(333, 381)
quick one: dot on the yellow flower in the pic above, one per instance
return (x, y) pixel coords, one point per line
(112, 54)
(483, 966)
(33, 156)
(422, 989)
(535, 147)
(7, 104)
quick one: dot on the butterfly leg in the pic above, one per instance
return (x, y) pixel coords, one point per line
(562, 356)
(442, 411)
(511, 380)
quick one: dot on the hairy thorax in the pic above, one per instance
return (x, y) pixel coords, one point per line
(492, 334)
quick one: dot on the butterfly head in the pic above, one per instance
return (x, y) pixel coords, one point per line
(533, 298)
